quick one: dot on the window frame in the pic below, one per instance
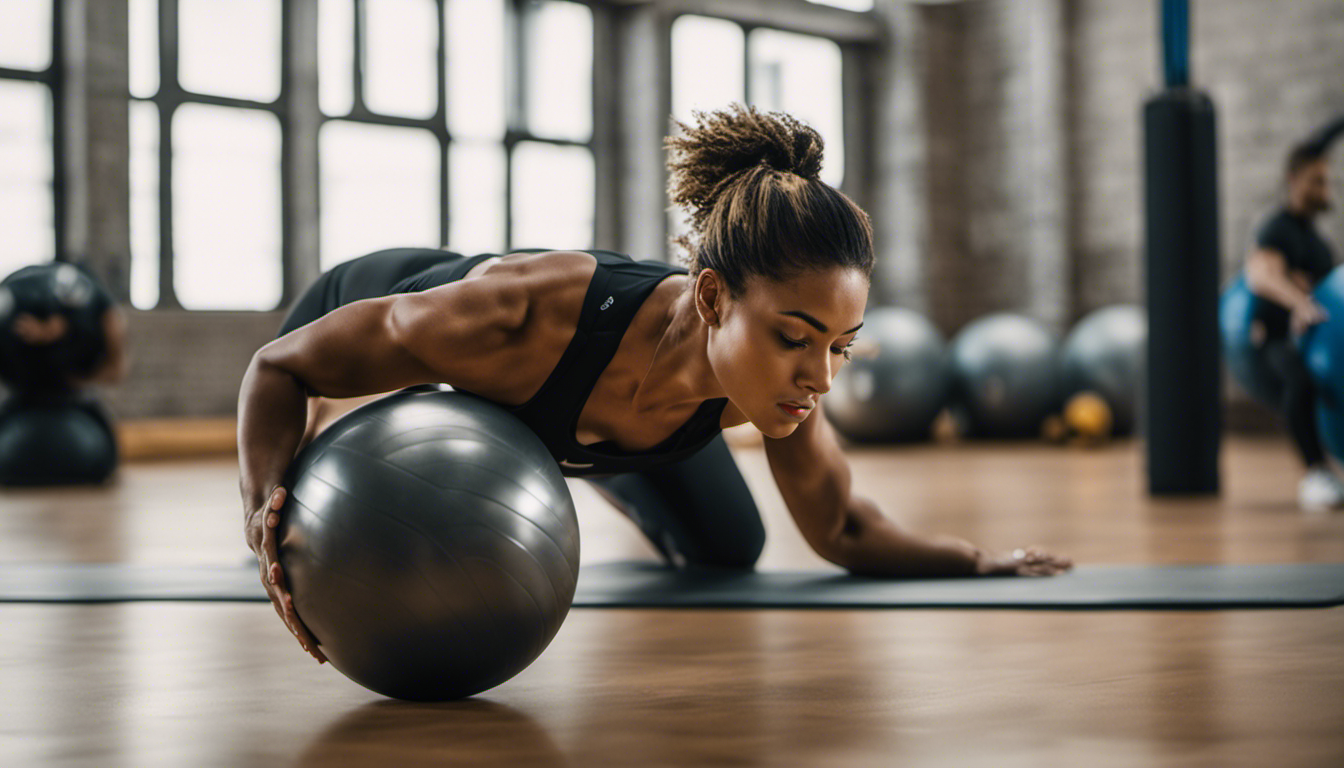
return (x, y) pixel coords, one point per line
(516, 14)
(53, 76)
(167, 98)
(301, 118)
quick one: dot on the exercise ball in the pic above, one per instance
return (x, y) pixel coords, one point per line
(1005, 371)
(897, 382)
(1322, 345)
(1242, 336)
(1104, 354)
(1330, 426)
(57, 292)
(63, 441)
(430, 544)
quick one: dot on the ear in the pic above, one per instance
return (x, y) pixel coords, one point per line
(710, 293)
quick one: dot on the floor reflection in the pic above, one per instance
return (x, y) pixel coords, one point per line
(409, 734)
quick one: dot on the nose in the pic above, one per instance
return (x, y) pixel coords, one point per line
(816, 371)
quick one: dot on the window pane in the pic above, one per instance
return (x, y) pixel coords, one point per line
(144, 47)
(144, 204)
(708, 59)
(476, 197)
(560, 71)
(228, 48)
(336, 56)
(475, 61)
(800, 74)
(25, 34)
(849, 5)
(27, 214)
(380, 189)
(401, 51)
(552, 196)
(226, 208)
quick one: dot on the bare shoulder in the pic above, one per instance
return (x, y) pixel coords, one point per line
(498, 333)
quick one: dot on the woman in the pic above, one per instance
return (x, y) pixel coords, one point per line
(628, 368)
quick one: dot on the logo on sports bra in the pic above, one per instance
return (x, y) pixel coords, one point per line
(607, 303)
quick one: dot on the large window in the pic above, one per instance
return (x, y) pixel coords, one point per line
(206, 224)
(465, 124)
(28, 76)
(716, 62)
(429, 142)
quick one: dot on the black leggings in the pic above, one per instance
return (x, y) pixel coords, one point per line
(696, 512)
(1298, 405)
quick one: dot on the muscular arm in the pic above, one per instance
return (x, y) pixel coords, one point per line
(848, 530)
(455, 334)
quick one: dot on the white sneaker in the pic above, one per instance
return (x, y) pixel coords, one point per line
(1319, 491)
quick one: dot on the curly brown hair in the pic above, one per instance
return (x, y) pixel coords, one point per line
(751, 184)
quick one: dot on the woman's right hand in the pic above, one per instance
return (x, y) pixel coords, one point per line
(261, 537)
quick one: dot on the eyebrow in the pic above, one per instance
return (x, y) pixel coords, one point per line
(815, 323)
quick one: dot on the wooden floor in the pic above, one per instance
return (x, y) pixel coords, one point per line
(225, 685)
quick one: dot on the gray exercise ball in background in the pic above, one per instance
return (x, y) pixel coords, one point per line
(430, 543)
(1005, 370)
(897, 382)
(1104, 353)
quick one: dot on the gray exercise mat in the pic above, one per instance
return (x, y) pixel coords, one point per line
(646, 585)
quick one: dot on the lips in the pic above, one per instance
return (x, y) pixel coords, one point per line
(795, 408)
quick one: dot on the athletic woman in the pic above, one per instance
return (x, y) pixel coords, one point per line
(627, 369)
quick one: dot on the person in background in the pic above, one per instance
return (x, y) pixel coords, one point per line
(1288, 260)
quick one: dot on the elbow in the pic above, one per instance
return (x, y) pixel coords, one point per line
(267, 364)
(838, 546)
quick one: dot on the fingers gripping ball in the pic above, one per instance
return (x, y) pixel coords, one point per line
(1006, 375)
(897, 382)
(430, 544)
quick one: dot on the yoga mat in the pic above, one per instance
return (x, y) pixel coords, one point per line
(647, 585)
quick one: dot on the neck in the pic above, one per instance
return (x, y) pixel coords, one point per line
(680, 371)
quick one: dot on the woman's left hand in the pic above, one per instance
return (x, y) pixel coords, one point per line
(1031, 561)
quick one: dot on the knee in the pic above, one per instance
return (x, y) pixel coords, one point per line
(738, 551)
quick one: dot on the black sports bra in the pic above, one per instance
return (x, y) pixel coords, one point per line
(618, 288)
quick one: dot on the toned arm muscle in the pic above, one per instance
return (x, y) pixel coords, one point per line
(850, 531)
(457, 334)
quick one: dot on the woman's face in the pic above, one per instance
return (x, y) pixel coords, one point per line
(776, 348)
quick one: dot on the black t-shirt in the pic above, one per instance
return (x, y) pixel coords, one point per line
(1303, 250)
(42, 291)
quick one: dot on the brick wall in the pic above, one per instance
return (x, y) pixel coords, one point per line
(1273, 70)
(188, 363)
(1006, 172)
(1027, 195)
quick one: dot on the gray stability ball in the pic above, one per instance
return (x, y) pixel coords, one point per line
(1104, 353)
(897, 382)
(430, 543)
(1006, 376)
